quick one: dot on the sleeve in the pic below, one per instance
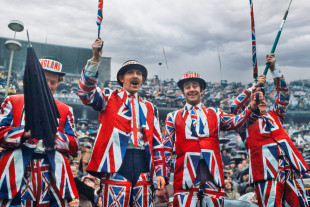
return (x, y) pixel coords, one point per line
(89, 93)
(239, 122)
(282, 95)
(67, 140)
(9, 136)
(169, 139)
(161, 168)
(239, 103)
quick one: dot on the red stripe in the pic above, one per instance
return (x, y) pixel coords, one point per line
(112, 161)
(62, 182)
(85, 87)
(12, 178)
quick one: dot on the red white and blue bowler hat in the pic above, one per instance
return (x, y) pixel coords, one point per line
(131, 64)
(192, 76)
(52, 64)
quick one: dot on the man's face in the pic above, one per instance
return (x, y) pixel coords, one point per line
(52, 80)
(89, 182)
(192, 92)
(74, 173)
(132, 80)
(262, 105)
(227, 186)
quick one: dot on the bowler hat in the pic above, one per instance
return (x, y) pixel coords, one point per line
(131, 64)
(192, 76)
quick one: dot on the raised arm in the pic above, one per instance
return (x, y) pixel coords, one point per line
(282, 92)
(169, 138)
(242, 99)
(239, 103)
(244, 119)
(89, 93)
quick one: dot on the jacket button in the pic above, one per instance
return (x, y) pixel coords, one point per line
(128, 122)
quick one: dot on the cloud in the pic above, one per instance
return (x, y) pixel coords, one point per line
(190, 32)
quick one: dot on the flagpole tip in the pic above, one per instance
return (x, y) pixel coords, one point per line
(29, 44)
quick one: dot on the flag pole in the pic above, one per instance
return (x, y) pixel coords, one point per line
(254, 58)
(278, 37)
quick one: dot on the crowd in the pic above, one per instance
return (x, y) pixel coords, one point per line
(236, 167)
(233, 152)
(167, 94)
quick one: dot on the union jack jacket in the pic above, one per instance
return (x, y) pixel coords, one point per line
(189, 146)
(115, 126)
(18, 154)
(264, 138)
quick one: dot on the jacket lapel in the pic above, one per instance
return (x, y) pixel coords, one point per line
(124, 97)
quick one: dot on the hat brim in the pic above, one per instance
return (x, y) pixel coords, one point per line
(201, 82)
(53, 71)
(125, 68)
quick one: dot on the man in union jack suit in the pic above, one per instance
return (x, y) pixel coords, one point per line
(28, 175)
(276, 164)
(128, 151)
(194, 133)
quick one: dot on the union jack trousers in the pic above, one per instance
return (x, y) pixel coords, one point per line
(211, 196)
(117, 191)
(287, 187)
(38, 188)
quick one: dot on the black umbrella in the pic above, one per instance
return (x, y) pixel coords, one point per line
(232, 143)
(89, 139)
(301, 131)
(93, 133)
(240, 152)
(224, 140)
(41, 112)
(85, 190)
(237, 158)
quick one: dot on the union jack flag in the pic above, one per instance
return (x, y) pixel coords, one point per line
(99, 15)
(254, 59)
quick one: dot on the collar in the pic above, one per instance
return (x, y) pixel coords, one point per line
(189, 106)
(128, 94)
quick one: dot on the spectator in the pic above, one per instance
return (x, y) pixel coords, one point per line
(230, 191)
(83, 157)
(225, 156)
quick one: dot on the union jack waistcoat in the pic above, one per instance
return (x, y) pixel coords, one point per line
(115, 126)
(264, 138)
(188, 147)
(17, 155)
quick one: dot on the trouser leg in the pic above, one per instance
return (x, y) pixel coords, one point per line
(269, 193)
(131, 185)
(186, 198)
(295, 194)
(203, 193)
(142, 193)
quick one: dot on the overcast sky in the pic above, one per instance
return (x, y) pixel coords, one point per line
(191, 32)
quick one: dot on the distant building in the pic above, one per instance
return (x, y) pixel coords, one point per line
(73, 59)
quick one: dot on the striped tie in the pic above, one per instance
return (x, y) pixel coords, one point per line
(194, 120)
(134, 128)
